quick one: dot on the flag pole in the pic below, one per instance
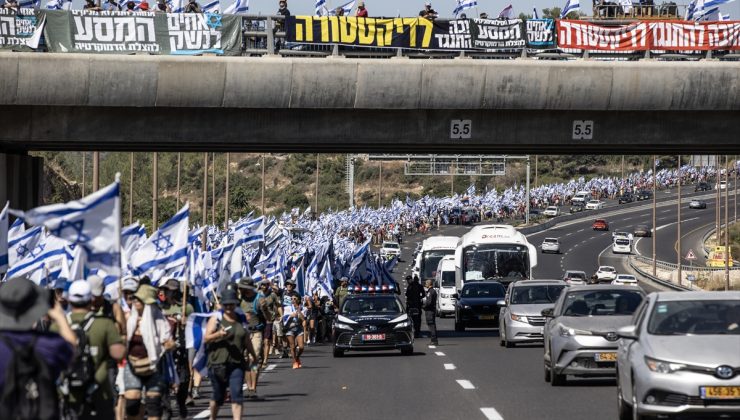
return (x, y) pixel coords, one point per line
(226, 205)
(84, 159)
(155, 161)
(117, 234)
(131, 191)
(213, 189)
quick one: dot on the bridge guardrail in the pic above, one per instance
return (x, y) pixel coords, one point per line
(705, 277)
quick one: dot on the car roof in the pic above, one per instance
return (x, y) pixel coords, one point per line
(390, 242)
(538, 283)
(554, 239)
(681, 296)
(600, 220)
(626, 275)
(575, 271)
(600, 287)
(606, 266)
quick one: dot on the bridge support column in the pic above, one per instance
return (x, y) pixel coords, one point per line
(21, 180)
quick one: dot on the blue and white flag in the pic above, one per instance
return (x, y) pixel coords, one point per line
(239, 6)
(167, 248)
(463, 5)
(359, 256)
(40, 259)
(93, 222)
(535, 15)
(570, 6)
(320, 7)
(59, 5)
(507, 13)
(211, 6)
(325, 280)
(347, 7)
(21, 244)
(4, 239)
(195, 338)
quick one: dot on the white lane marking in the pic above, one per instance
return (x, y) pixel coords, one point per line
(627, 218)
(666, 210)
(439, 353)
(466, 384)
(432, 346)
(203, 414)
(270, 367)
(568, 234)
(581, 230)
(491, 413)
(449, 366)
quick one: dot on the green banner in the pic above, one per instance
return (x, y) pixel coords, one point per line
(79, 31)
(20, 29)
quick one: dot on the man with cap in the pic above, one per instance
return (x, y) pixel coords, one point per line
(272, 310)
(102, 307)
(341, 293)
(103, 344)
(22, 304)
(361, 10)
(288, 294)
(172, 309)
(428, 12)
(251, 305)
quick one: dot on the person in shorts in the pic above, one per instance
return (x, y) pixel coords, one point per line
(252, 308)
(293, 321)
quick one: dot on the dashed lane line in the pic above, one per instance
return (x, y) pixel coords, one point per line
(203, 414)
(449, 366)
(465, 384)
(270, 367)
(491, 413)
(431, 346)
(439, 353)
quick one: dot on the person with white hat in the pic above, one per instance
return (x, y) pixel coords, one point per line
(102, 343)
(428, 12)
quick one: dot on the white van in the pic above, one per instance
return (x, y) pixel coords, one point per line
(445, 284)
(622, 245)
(581, 197)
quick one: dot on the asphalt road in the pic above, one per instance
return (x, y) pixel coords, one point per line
(468, 375)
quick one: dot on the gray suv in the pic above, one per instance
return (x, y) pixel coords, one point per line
(521, 319)
(681, 356)
(580, 333)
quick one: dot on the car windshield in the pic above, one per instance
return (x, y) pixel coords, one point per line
(576, 275)
(550, 241)
(696, 317)
(552, 208)
(390, 245)
(483, 290)
(601, 302)
(495, 261)
(607, 269)
(379, 304)
(448, 278)
(430, 261)
(626, 277)
(622, 241)
(527, 295)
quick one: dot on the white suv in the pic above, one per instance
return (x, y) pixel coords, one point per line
(550, 245)
(390, 249)
(552, 211)
(606, 273)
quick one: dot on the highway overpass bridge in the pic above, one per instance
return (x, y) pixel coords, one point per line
(336, 104)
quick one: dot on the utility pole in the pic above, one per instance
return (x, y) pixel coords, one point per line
(96, 171)
(526, 217)
(318, 167)
(727, 223)
(734, 166)
(179, 168)
(84, 164)
(655, 228)
(678, 211)
(718, 196)
(380, 184)
(622, 170)
(351, 179)
(205, 200)
(536, 172)
(154, 192)
(226, 205)
(131, 190)
(263, 184)
(213, 189)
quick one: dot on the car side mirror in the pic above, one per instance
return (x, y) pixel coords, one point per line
(455, 296)
(629, 332)
(548, 312)
(501, 303)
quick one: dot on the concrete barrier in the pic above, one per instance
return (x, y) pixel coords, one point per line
(342, 83)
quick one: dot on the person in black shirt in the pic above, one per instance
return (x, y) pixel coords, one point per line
(430, 309)
(414, 295)
(428, 12)
(283, 8)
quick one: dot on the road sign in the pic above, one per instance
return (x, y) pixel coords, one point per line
(691, 277)
(690, 255)
(461, 129)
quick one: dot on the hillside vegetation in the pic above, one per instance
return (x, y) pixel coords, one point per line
(290, 180)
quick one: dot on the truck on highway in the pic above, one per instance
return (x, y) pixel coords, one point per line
(494, 252)
(433, 249)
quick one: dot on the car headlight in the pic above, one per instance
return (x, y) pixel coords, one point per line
(343, 326)
(572, 332)
(662, 366)
(466, 306)
(520, 318)
(445, 295)
(404, 324)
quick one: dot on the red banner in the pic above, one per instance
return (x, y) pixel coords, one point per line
(653, 35)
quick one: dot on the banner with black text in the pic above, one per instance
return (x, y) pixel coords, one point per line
(20, 29)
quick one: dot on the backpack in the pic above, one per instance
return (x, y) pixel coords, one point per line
(29, 392)
(79, 378)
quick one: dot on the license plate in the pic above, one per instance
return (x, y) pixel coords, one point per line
(720, 392)
(486, 317)
(605, 357)
(373, 337)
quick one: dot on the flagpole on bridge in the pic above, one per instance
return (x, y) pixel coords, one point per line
(655, 228)
(155, 161)
(226, 204)
(96, 171)
(678, 209)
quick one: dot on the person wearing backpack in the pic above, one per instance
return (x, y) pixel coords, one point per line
(251, 305)
(86, 391)
(31, 359)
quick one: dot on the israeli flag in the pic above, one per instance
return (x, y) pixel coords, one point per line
(358, 256)
(20, 245)
(29, 4)
(347, 7)
(213, 6)
(167, 248)
(464, 5)
(59, 5)
(195, 338)
(325, 280)
(41, 259)
(471, 189)
(320, 7)
(506, 13)
(570, 6)
(93, 222)
(239, 6)
(16, 229)
(4, 239)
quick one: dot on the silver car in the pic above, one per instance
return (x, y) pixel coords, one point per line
(521, 319)
(581, 331)
(681, 356)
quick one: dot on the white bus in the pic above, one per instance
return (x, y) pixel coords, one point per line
(432, 251)
(495, 252)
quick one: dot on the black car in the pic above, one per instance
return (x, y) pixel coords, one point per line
(456, 216)
(477, 304)
(644, 195)
(643, 231)
(577, 207)
(702, 186)
(626, 198)
(372, 322)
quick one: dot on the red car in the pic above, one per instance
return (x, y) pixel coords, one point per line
(600, 224)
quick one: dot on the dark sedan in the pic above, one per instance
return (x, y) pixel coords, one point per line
(644, 195)
(702, 186)
(626, 198)
(477, 304)
(373, 322)
(643, 231)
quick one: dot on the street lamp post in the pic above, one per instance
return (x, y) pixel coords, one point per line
(727, 224)
(154, 191)
(131, 190)
(380, 184)
(526, 217)
(316, 210)
(205, 200)
(678, 211)
(96, 171)
(84, 164)
(226, 204)
(655, 228)
(263, 184)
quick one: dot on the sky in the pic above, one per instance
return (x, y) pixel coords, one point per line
(443, 7)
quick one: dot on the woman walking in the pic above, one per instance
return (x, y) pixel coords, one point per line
(294, 319)
(228, 341)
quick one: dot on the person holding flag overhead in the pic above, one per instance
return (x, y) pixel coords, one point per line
(227, 340)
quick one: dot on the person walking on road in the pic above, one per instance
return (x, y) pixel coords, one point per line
(430, 309)
(414, 295)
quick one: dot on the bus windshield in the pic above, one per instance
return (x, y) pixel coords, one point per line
(430, 261)
(495, 261)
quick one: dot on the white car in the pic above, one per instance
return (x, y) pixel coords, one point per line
(550, 245)
(625, 235)
(722, 185)
(606, 273)
(594, 205)
(552, 211)
(625, 280)
(390, 249)
(580, 197)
